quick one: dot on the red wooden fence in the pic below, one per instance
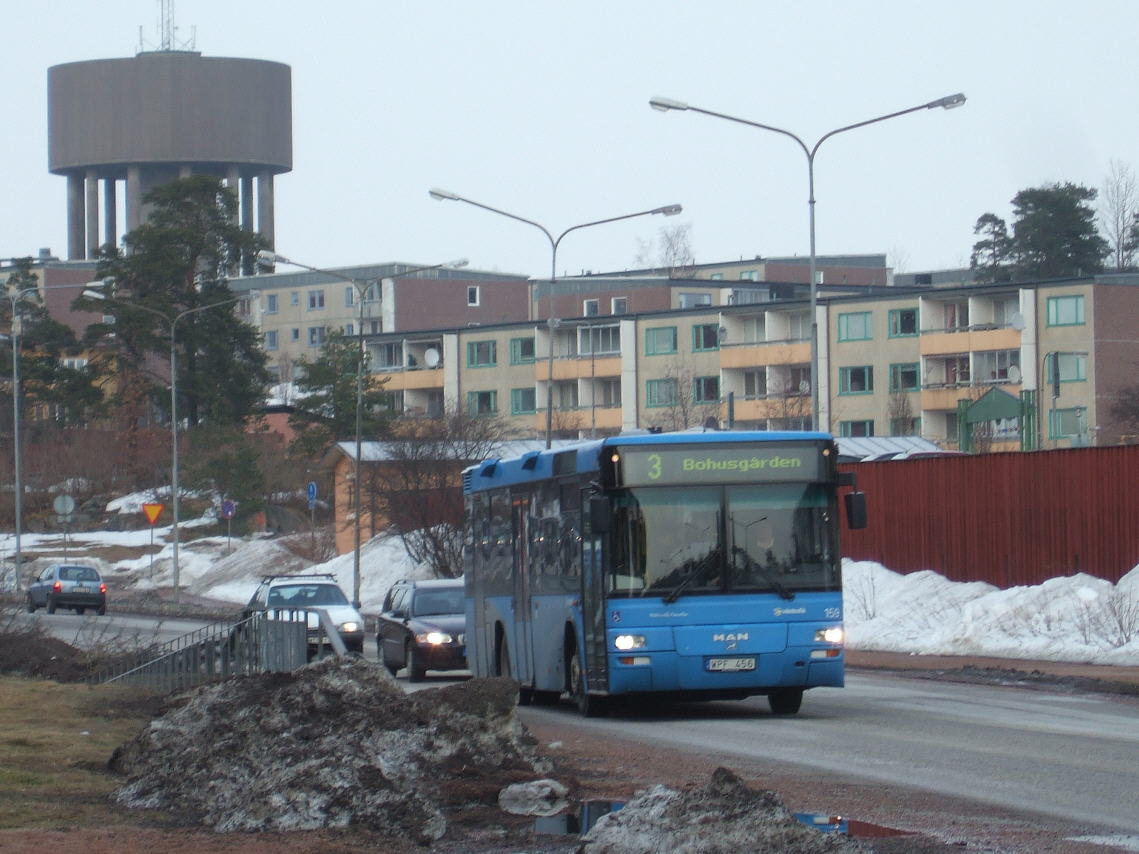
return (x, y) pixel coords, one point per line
(1008, 519)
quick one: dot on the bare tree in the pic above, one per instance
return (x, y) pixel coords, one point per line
(1119, 213)
(900, 411)
(671, 252)
(418, 490)
(680, 411)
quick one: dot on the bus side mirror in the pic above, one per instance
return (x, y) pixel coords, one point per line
(855, 509)
(600, 513)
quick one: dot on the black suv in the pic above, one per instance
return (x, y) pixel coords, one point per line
(423, 627)
(68, 585)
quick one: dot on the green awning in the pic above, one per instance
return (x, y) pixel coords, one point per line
(993, 405)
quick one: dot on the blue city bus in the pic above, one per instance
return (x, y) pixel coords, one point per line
(697, 565)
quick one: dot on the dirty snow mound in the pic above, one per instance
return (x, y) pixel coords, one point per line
(332, 744)
(722, 817)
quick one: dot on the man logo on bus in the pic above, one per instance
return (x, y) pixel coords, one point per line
(730, 637)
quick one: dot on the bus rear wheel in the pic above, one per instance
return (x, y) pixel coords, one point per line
(589, 706)
(785, 701)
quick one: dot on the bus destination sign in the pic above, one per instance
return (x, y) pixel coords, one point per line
(658, 465)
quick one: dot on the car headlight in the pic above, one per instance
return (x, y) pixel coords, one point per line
(350, 626)
(624, 642)
(433, 638)
(834, 634)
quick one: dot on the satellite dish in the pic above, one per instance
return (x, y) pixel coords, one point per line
(1017, 321)
(1013, 374)
(431, 357)
(804, 386)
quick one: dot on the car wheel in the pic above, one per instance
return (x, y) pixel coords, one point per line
(785, 701)
(50, 605)
(415, 668)
(31, 606)
(391, 668)
(589, 706)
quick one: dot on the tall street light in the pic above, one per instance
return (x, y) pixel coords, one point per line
(551, 321)
(17, 473)
(172, 325)
(949, 102)
(267, 258)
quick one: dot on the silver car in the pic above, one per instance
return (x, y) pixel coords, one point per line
(68, 585)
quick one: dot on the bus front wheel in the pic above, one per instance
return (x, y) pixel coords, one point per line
(785, 701)
(589, 706)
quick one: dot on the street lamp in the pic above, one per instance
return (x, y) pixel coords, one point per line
(267, 258)
(552, 322)
(17, 473)
(172, 325)
(949, 102)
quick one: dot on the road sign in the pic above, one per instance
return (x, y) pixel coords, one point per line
(152, 510)
(64, 505)
(228, 508)
(312, 490)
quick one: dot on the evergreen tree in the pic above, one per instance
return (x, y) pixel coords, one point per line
(1054, 233)
(326, 403)
(992, 254)
(173, 270)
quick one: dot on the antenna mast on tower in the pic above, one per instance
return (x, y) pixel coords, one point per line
(167, 32)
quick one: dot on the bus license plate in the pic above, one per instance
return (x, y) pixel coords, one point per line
(731, 665)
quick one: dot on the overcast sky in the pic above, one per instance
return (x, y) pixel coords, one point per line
(541, 109)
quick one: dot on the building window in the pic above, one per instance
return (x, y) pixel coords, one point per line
(994, 366)
(472, 295)
(854, 326)
(717, 277)
(705, 389)
(389, 356)
(903, 322)
(349, 296)
(705, 337)
(270, 303)
(755, 384)
(856, 428)
(660, 341)
(1073, 367)
(315, 300)
(523, 401)
(295, 334)
(1066, 311)
(566, 395)
(610, 393)
(482, 354)
(1066, 423)
(599, 340)
(799, 325)
(905, 426)
(522, 351)
(316, 336)
(271, 339)
(694, 300)
(956, 315)
(482, 402)
(294, 298)
(349, 329)
(661, 392)
(619, 305)
(590, 308)
(858, 380)
(905, 377)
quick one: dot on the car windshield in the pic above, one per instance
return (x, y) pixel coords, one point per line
(432, 602)
(78, 573)
(306, 596)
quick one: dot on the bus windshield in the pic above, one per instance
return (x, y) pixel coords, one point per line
(712, 539)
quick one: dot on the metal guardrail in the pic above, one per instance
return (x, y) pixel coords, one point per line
(266, 641)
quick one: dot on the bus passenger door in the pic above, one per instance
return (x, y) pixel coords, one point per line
(593, 604)
(521, 648)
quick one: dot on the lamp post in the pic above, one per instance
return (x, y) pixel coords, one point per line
(552, 322)
(361, 286)
(171, 324)
(17, 473)
(948, 103)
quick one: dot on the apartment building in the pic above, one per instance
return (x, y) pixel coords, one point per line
(957, 365)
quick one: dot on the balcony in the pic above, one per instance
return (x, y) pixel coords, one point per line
(404, 380)
(968, 339)
(579, 367)
(793, 352)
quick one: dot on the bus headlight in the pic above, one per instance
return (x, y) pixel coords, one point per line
(433, 638)
(625, 642)
(350, 627)
(834, 634)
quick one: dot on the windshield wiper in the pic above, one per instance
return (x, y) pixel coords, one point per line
(775, 583)
(700, 568)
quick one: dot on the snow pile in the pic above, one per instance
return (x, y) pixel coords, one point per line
(1078, 618)
(333, 744)
(723, 817)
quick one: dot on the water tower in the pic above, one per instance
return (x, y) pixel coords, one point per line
(161, 115)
